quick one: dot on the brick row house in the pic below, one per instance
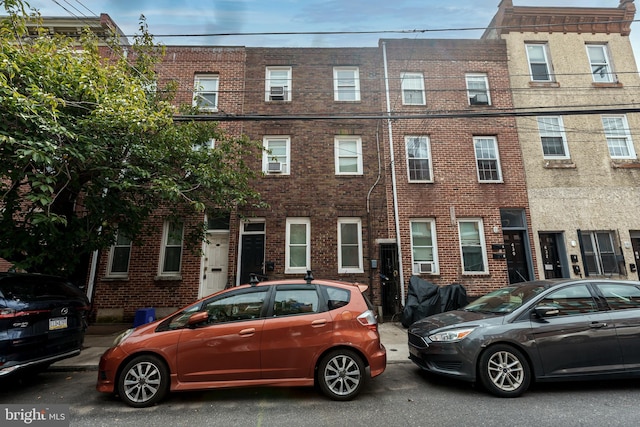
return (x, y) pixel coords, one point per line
(409, 158)
(574, 71)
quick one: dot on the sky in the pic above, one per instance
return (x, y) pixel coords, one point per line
(384, 18)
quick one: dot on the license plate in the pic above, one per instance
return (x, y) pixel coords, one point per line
(414, 351)
(57, 323)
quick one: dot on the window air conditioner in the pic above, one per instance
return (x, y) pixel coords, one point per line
(274, 167)
(277, 93)
(425, 267)
(480, 99)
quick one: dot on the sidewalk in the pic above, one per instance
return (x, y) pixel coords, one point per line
(99, 337)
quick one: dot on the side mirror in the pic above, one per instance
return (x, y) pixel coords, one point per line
(196, 318)
(543, 311)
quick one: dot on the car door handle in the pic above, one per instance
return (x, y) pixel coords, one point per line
(247, 332)
(598, 325)
(319, 322)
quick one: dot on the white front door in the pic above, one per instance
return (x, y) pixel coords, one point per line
(215, 265)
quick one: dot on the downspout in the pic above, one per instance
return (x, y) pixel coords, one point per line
(393, 173)
(369, 210)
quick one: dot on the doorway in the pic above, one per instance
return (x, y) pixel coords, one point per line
(515, 251)
(391, 304)
(635, 245)
(251, 251)
(553, 255)
(216, 263)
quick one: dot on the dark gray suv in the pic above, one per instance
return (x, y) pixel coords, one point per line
(542, 330)
(42, 320)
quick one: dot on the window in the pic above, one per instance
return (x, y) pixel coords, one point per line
(298, 250)
(172, 248)
(571, 300)
(119, 256)
(245, 305)
(487, 159)
(418, 158)
(478, 89)
(336, 297)
(600, 64)
(350, 245)
(554, 140)
(204, 146)
(619, 296)
(346, 83)
(412, 88)
(539, 63)
(472, 246)
(293, 300)
(205, 93)
(423, 246)
(278, 84)
(348, 152)
(276, 159)
(618, 137)
(599, 252)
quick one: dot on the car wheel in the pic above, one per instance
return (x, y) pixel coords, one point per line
(143, 382)
(504, 371)
(341, 374)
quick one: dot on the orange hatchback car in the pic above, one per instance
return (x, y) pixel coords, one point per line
(276, 333)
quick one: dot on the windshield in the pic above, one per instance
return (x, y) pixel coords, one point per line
(505, 300)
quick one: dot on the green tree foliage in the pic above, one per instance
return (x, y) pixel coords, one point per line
(88, 146)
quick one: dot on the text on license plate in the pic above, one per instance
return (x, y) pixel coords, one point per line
(57, 323)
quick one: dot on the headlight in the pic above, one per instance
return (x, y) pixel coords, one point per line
(123, 336)
(451, 335)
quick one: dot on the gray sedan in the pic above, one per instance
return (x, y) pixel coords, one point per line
(547, 330)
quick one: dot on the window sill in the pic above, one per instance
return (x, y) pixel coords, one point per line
(168, 278)
(559, 164)
(544, 84)
(115, 278)
(606, 85)
(625, 164)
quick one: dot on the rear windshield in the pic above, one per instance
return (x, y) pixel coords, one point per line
(36, 288)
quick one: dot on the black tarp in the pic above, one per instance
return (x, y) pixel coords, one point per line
(425, 299)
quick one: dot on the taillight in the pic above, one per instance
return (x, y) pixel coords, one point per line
(369, 320)
(7, 312)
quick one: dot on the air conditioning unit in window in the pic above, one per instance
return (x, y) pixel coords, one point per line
(277, 93)
(479, 99)
(425, 267)
(274, 167)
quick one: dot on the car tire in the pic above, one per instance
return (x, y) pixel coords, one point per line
(143, 382)
(341, 374)
(504, 371)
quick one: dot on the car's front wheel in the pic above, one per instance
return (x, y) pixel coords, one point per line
(504, 371)
(144, 381)
(341, 374)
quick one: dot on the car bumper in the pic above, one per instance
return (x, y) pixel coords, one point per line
(448, 359)
(108, 368)
(378, 361)
(13, 367)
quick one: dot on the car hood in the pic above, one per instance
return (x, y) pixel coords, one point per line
(453, 318)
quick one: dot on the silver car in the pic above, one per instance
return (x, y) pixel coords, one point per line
(547, 330)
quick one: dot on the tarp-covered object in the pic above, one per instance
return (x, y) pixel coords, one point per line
(425, 298)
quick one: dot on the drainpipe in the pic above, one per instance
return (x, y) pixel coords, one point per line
(393, 173)
(369, 226)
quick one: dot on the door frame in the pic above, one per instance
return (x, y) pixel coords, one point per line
(243, 231)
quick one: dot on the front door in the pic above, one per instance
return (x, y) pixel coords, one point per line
(252, 257)
(215, 265)
(514, 248)
(550, 257)
(635, 244)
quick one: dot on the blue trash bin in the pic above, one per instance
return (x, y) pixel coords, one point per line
(143, 316)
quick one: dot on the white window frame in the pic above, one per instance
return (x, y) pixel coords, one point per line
(412, 83)
(601, 69)
(545, 60)
(342, 153)
(477, 84)
(199, 91)
(168, 244)
(415, 259)
(552, 127)
(343, 86)
(284, 159)
(487, 153)
(616, 131)
(480, 243)
(273, 81)
(350, 269)
(289, 245)
(119, 245)
(412, 153)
